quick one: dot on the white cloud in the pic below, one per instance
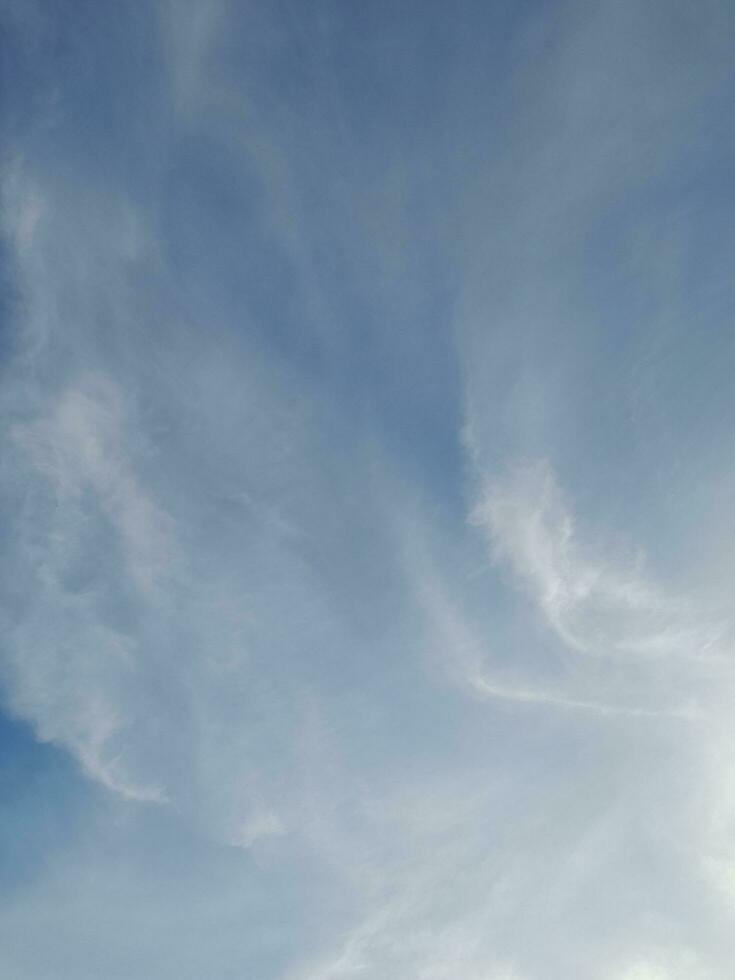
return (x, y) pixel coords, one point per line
(240, 575)
(595, 606)
(82, 450)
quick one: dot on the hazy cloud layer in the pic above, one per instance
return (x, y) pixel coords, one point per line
(365, 375)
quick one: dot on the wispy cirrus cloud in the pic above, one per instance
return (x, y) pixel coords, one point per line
(288, 293)
(594, 605)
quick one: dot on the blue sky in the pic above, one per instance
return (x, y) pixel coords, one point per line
(366, 480)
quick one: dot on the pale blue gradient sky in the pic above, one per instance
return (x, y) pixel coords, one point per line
(366, 479)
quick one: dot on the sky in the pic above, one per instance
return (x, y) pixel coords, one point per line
(366, 481)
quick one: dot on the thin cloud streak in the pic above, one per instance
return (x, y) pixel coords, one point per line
(486, 688)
